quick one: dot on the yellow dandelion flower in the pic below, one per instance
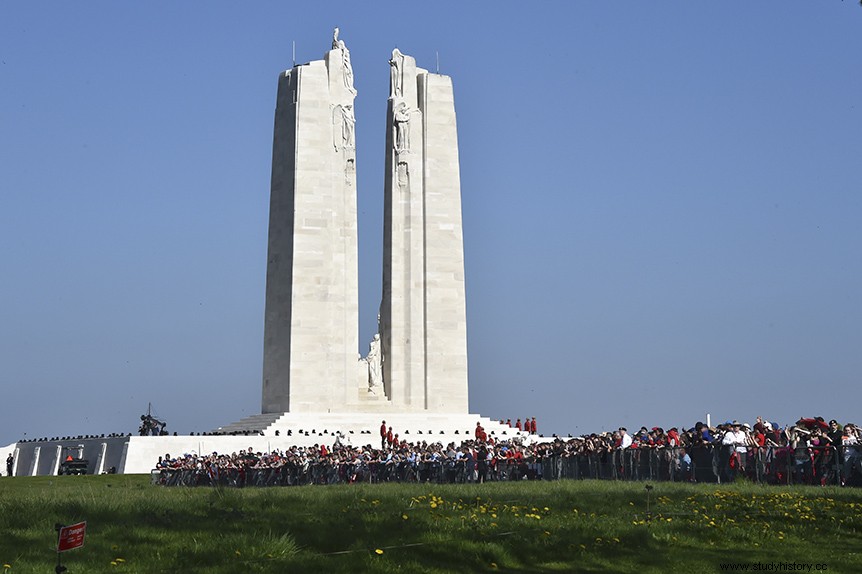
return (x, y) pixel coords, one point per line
(378, 551)
(113, 563)
(238, 553)
(7, 566)
(433, 505)
(493, 515)
(119, 559)
(494, 565)
(404, 516)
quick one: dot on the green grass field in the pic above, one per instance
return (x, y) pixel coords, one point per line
(567, 526)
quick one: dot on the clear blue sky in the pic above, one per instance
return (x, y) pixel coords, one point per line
(662, 204)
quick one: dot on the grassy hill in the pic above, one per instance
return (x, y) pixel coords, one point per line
(566, 526)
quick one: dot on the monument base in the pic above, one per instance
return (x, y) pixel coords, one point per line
(260, 433)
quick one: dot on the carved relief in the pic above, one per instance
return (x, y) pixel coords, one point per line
(350, 172)
(402, 175)
(346, 67)
(396, 74)
(343, 127)
(401, 119)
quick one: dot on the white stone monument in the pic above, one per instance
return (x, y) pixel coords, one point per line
(315, 385)
(418, 360)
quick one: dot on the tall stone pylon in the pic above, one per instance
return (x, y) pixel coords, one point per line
(423, 319)
(312, 290)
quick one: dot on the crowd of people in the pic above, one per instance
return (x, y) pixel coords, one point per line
(812, 451)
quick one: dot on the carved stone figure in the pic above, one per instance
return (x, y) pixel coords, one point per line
(396, 74)
(402, 127)
(346, 139)
(335, 38)
(375, 363)
(347, 67)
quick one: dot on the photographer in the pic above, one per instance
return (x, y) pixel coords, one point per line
(799, 440)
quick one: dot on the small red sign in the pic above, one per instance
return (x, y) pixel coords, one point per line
(71, 537)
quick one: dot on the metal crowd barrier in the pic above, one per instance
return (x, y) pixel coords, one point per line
(709, 463)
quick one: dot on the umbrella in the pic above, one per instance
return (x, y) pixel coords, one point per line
(812, 424)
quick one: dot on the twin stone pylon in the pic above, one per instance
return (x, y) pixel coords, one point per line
(418, 360)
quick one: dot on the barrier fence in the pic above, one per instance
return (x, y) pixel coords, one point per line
(712, 463)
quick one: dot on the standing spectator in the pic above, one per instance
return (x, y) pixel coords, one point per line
(10, 463)
(835, 432)
(533, 426)
(625, 441)
(852, 456)
(734, 449)
(683, 466)
(799, 438)
(389, 437)
(383, 435)
(509, 423)
(673, 439)
(479, 431)
(835, 435)
(518, 424)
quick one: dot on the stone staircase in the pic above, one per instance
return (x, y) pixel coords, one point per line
(364, 428)
(252, 424)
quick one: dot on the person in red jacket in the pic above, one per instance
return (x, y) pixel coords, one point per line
(518, 424)
(383, 435)
(533, 425)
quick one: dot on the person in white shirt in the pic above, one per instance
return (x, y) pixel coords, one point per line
(733, 442)
(625, 439)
